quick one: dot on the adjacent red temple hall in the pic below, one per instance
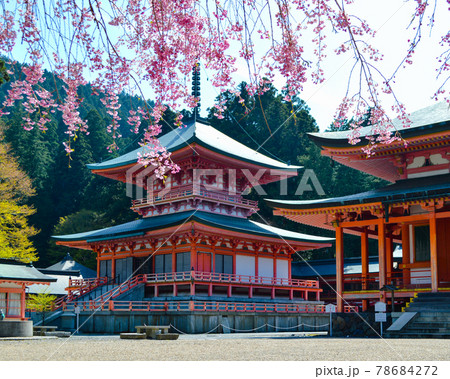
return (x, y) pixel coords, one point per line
(14, 278)
(414, 211)
(194, 240)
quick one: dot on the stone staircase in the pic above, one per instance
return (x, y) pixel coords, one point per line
(66, 320)
(431, 318)
(95, 293)
(430, 302)
(424, 325)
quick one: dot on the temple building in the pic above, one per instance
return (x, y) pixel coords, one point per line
(15, 277)
(65, 271)
(194, 239)
(68, 264)
(324, 270)
(413, 211)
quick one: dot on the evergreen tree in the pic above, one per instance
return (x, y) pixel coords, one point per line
(81, 221)
(98, 137)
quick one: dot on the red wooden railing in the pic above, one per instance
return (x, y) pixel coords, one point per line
(199, 306)
(83, 286)
(224, 197)
(230, 278)
(204, 276)
(181, 193)
(121, 288)
(371, 282)
(87, 283)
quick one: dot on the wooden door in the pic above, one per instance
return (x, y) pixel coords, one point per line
(443, 245)
(204, 262)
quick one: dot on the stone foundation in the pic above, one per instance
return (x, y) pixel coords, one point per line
(113, 322)
(194, 322)
(16, 328)
(361, 324)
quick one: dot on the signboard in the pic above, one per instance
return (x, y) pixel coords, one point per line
(380, 306)
(380, 317)
(330, 308)
(77, 310)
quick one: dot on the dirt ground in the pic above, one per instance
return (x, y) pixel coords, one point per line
(220, 348)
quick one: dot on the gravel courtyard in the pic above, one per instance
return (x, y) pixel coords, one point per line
(224, 348)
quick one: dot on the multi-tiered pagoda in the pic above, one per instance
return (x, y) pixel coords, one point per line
(194, 239)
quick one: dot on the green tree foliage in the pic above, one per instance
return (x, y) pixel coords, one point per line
(78, 194)
(64, 186)
(15, 188)
(267, 120)
(15, 232)
(41, 302)
(98, 137)
(4, 76)
(81, 221)
(347, 124)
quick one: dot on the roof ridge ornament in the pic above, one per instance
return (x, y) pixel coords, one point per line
(67, 257)
(196, 89)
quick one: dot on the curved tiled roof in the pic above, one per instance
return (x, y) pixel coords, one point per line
(201, 133)
(432, 119)
(22, 272)
(139, 227)
(402, 190)
(69, 264)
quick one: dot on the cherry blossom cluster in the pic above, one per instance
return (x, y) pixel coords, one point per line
(35, 99)
(7, 32)
(132, 45)
(72, 77)
(111, 103)
(135, 119)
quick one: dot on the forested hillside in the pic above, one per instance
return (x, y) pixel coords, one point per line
(65, 188)
(70, 199)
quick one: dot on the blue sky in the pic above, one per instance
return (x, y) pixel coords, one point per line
(414, 85)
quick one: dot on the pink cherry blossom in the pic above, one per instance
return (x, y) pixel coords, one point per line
(132, 45)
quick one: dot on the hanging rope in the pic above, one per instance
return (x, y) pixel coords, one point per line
(210, 331)
(299, 325)
(244, 330)
(254, 329)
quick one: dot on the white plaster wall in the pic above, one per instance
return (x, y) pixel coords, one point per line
(420, 276)
(245, 265)
(14, 285)
(265, 267)
(437, 159)
(428, 173)
(282, 268)
(417, 162)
